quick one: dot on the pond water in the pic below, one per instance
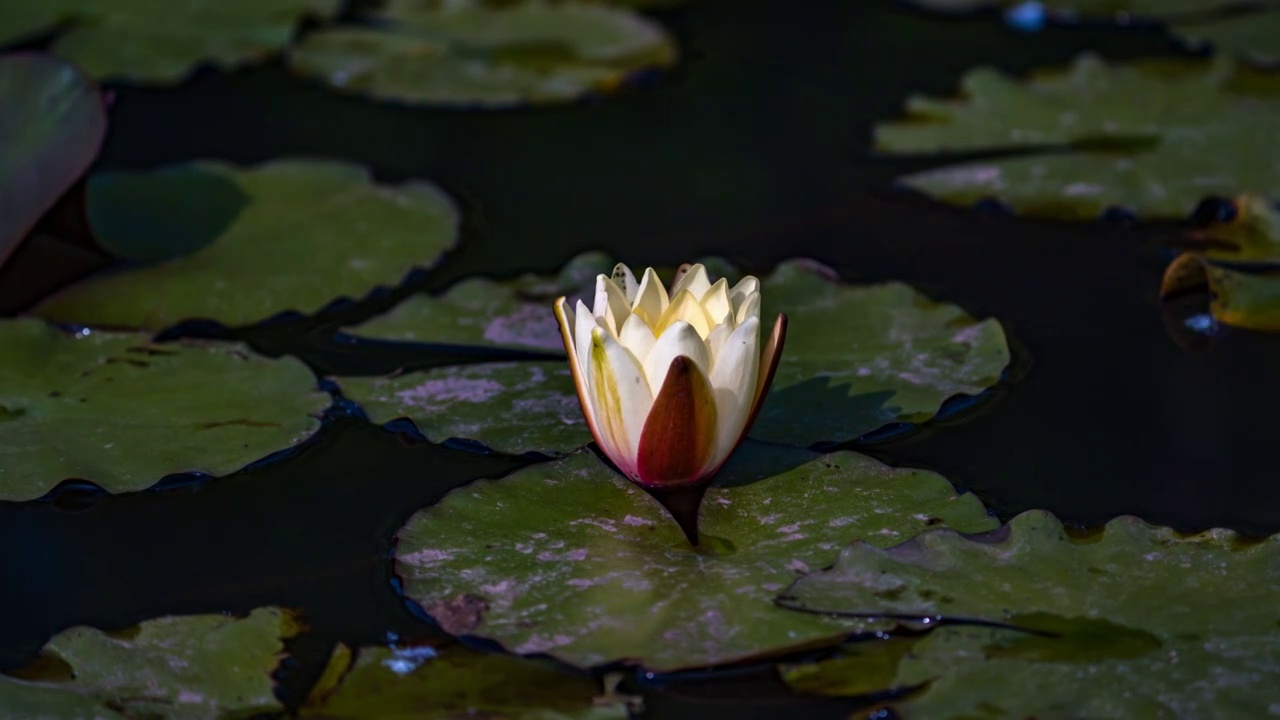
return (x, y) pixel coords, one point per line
(756, 148)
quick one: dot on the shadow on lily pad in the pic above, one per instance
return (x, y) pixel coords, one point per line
(826, 404)
(144, 221)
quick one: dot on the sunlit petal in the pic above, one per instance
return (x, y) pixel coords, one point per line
(685, 308)
(621, 398)
(626, 281)
(694, 279)
(651, 299)
(637, 337)
(734, 379)
(679, 339)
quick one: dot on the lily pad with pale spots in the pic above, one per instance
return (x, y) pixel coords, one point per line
(860, 357)
(510, 407)
(1154, 138)
(570, 559)
(422, 682)
(123, 412)
(1125, 623)
(498, 313)
(476, 53)
(238, 245)
(140, 40)
(857, 358)
(53, 124)
(193, 667)
(1252, 36)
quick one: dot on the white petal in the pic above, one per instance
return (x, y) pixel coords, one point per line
(750, 309)
(621, 399)
(584, 323)
(739, 293)
(679, 339)
(651, 299)
(625, 280)
(716, 339)
(611, 306)
(733, 380)
(715, 302)
(568, 321)
(637, 337)
(694, 279)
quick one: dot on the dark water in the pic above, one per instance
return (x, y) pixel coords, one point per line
(755, 148)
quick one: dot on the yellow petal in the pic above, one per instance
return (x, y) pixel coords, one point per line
(620, 399)
(687, 308)
(716, 303)
(651, 300)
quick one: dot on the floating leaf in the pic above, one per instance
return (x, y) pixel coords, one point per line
(1126, 623)
(53, 124)
(1253, 36)
(470, 52)
(1244, 299)
(137, 40)
(123, 412)
(857, 358)
(291, 234)
(191, 667)
(421, 682)
(569, 558)
(479, 311)
(860, 357)
(1152, 138)
(510, 407)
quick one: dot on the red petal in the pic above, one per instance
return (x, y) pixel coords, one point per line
(680, 433)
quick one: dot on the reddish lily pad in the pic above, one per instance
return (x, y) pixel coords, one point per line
(53, 124)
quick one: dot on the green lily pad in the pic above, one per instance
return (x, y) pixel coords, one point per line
(123, 412)
(857, 358)
(568, 558)
(250, 243)
(1154, 138)
(860, 357)
(510, 407)
(512, 314)
(191, 667)
(477, 53)
(1126, 623)
(53, 125)
(1254, 36)
(138, 40)
(423, 682)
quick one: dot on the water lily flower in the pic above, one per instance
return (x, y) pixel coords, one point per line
(670, 384)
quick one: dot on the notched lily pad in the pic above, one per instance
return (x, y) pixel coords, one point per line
(1126, 623)
(570, 559)
(486, 54)
(53, 124)
(123, 412)
(510, 407)
(860, 357)
(199, 666)
(237, 245)
(513, 314)
(420, 681)
(857, 358)
(138, 40)
(1155, 138)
